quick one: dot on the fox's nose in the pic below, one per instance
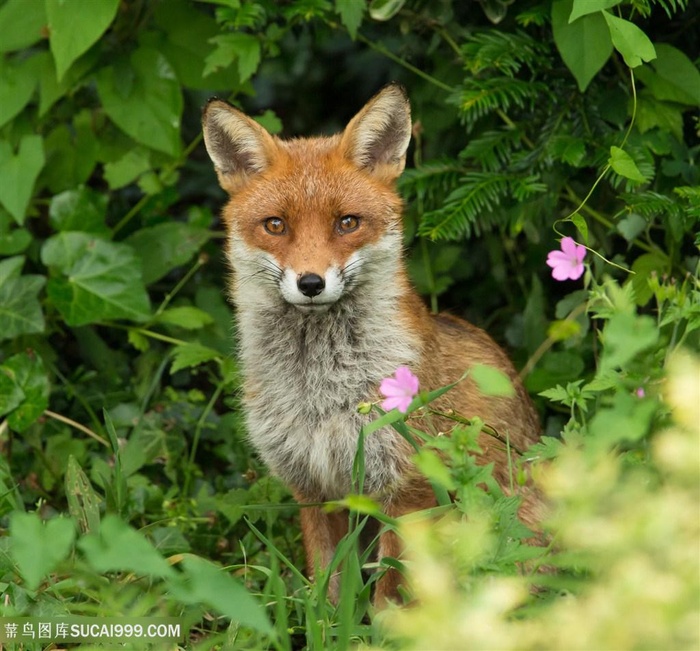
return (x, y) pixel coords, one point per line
(311, 285)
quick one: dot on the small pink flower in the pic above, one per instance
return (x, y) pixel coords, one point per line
(640, 392)
(399, 390)
(567, 264)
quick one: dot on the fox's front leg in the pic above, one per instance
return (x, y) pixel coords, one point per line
(416, 496)
(322, 531)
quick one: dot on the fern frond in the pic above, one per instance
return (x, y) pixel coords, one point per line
(671, 7)
(692, 195)
(479, 97)
(493, 149)
(430, 182)
(473, 207)
(502, 52)
(651, 204)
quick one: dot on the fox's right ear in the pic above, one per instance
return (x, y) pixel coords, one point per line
(238, 146)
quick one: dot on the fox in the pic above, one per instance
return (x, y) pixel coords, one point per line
(324, 310)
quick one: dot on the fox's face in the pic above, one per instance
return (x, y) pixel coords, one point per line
(311, 219)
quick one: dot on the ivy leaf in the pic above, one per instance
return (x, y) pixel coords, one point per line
(624, 165)
(585, 44)
(143, 98)
(79, 210)
(351, 13)
(94, 280)
(37, 547)
(76, 25)
(166, 246)
(20, 310)
(630, 41)
(18, 174)
(17, 84)
(27, 372)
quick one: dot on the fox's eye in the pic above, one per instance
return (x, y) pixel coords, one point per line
(275, 226)
(348, 224)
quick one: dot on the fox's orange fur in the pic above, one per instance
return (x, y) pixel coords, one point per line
(325, 311)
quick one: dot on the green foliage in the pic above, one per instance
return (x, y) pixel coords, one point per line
(126, 484)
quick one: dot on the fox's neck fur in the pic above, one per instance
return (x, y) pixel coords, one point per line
(305, 374)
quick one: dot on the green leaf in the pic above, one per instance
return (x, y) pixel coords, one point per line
(71, 153)
(351, 12)
(630, 41)
(20, 310)
(188, 317)
(581, 226)
(243, 48)
(624, 337)
(433, 467)
(11, 395)
(585, 45)
(491, 381)
(75, 25)
(631, 226)
(585, 7)
(188, 355)
(17, 86)
(623, 164)
(119, 548)
(94, 280)
(674, 77)
(79, 210)
(22, 23)
(12, 240)
(204, 583)
(385, 9)
(27, 372)
(130, 166)
(166, 246)
(83, 501)
(18, 174)
(643, 267)
(628, 419)
(142, 97)
(37, 547)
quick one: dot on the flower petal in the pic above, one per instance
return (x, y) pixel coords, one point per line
(569, 246)
(390, 387)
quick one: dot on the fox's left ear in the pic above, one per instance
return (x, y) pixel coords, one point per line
(377, 138)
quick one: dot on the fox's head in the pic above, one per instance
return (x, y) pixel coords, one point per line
(309, 220)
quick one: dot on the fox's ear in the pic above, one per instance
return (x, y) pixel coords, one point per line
(377, 138)
(238, 146)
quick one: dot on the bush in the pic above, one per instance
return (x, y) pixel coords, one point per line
(123, 446)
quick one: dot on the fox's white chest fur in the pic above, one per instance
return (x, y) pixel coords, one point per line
(304, 377)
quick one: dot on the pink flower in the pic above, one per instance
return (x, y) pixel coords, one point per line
(567, 264)
(640, 392)
(399, 390)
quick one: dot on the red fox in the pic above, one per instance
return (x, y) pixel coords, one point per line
(325, 311)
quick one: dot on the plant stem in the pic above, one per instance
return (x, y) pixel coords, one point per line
(199, 262)
(486, 429)
(197, 435)
(76, 425)
(402, 62)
